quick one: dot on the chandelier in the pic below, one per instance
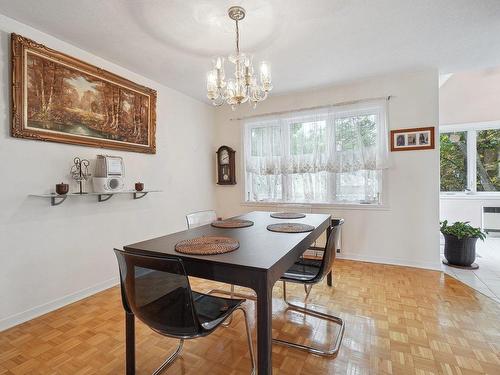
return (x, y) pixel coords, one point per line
(244, 86)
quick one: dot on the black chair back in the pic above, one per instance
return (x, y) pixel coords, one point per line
(157, 291)
(328, 255)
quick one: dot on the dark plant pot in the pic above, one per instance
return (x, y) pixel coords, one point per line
(460, 251)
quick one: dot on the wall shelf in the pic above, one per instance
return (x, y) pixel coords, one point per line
(56, 199)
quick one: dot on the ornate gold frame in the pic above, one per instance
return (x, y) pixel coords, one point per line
(19, 46)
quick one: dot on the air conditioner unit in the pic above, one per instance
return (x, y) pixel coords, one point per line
(491, 221)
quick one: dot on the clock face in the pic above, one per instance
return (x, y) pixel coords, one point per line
(224, 157)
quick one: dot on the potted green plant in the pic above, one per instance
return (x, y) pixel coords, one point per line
(460, 243)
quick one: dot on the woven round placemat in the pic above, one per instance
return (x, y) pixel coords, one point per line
(290, 228)
(207, 245)
(232, 223)
(287, 215)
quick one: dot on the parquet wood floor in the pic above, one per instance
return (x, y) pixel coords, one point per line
(398, 321)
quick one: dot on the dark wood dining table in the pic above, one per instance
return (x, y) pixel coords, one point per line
(261, 259)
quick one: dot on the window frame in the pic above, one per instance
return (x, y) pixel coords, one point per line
(471, 130)
(381, 204)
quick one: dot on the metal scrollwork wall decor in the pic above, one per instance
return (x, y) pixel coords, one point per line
(80, 172)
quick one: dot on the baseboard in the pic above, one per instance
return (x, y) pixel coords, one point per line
(396, 262)
(37, 311)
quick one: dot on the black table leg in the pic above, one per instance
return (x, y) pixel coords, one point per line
(264, 329)
(329, 276)
(130, 343)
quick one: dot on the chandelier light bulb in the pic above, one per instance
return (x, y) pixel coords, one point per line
(219, 63)
(244, 86)
(265, 70)
(211, 82)
(248, 61)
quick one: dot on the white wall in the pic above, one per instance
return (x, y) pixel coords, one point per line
(470, 97)
(465, 209)
(50, 256)
(406, 232)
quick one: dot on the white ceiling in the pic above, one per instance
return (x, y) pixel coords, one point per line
(310, 43)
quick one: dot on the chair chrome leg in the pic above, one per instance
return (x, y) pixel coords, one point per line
(170, 359)
(338, 340)
(308, 290)
(249, 339)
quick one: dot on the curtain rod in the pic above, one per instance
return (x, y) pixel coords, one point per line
(316, 107)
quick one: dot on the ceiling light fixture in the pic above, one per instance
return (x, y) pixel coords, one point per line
(244, 86)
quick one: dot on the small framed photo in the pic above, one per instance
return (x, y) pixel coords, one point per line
(412, 139)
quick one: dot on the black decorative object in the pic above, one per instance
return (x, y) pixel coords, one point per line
(80, 172)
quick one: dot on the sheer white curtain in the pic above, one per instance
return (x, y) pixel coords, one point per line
(320, 155)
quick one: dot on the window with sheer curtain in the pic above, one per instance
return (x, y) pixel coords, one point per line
(327, 155)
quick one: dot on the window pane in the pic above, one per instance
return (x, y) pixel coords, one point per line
(266, 187)
(266, 141)
(307, 137)
(453, 150)
(309, 187)
(488, 160)
(359, 186)
(347, 128)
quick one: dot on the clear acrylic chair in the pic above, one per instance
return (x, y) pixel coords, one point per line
(309, 272)
(157, 291)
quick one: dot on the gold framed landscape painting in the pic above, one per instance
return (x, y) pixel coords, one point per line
(59, 98)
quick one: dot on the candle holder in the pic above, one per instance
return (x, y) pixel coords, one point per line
(80, 172)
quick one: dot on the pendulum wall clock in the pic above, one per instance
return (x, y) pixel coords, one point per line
(226, 173)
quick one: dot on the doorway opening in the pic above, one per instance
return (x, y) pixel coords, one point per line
(469, 138)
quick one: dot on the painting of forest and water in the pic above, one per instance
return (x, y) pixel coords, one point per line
(67, 100)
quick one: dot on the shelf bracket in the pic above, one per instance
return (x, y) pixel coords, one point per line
(104, 197)
(57, 200)
(139, 195)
